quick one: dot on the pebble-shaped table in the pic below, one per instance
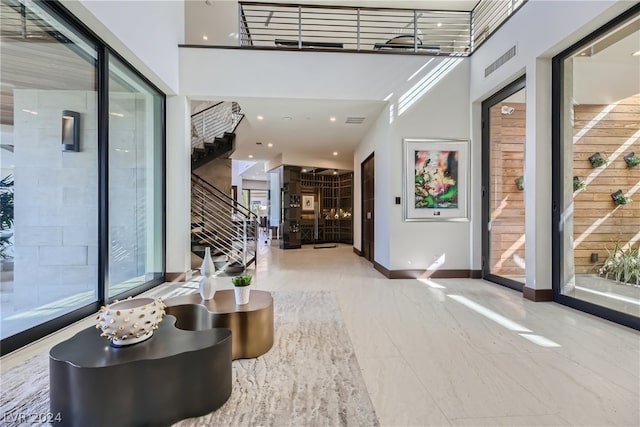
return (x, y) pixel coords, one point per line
(175, 374)
(251, 324)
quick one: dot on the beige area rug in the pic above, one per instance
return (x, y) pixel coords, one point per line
(309, 378)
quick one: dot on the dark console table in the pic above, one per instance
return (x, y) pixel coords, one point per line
(173, 375)
(251, 324)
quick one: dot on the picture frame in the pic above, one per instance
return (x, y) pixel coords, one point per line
(308, 201)
(435, 179)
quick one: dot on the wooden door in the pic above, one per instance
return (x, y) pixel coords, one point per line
(368, 217)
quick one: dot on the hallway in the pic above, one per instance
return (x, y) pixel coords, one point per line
(458, 351)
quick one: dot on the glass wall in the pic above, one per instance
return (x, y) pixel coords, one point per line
(504, 118)
(50, 236)
(68, 194)
(135, 174)
(598, 169)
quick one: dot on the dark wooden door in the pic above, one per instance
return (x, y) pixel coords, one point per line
(368, 198)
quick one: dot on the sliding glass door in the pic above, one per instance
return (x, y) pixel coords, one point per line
(504, 125)
(597, 172)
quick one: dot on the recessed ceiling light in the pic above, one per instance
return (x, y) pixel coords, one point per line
(335, 172)
(439, 24)
(335, 153)
(636, 53)
(204, 37)
(304, 170)
(251, 156)
(333, 119)
(269, 145)
(260, 117)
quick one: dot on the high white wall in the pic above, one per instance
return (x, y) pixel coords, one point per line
(442, 112)
(539, 30)
(285, 74)
(145, 33)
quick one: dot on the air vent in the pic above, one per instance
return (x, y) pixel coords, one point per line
(354, 120)
(500, 61)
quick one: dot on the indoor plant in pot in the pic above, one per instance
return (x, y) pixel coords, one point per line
(241, 288)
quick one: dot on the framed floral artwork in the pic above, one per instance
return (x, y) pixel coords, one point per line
(435, 179)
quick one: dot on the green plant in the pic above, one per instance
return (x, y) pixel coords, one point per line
(6, 212)
(519, 182)
(240, 281)
(622, 265)
(619, 198)
(632, 160)
(597, 160)
(578, 184)
(6, 202)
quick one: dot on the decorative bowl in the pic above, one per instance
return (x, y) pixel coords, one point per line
(130, 321)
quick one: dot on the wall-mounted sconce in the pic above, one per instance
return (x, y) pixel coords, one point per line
(70, 131)
(507, 110)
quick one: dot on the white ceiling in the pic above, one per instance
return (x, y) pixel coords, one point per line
(302, 126)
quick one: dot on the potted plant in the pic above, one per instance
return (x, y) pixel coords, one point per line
(597, 160)
(632, 160)
(519, 182)
(578, 184)
(619, 198)
(622, 265)
(241, 288)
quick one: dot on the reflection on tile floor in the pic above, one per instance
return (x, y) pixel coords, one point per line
(429, 359)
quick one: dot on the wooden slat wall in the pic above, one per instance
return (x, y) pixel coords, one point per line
(507, 202)
(590, 205)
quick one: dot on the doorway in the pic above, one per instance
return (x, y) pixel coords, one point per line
(503, 186)
(367, 212)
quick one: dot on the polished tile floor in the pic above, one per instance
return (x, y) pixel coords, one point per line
(459, 351)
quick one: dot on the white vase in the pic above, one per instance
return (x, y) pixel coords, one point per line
(207, 285)
(130, 321)
(242, 294)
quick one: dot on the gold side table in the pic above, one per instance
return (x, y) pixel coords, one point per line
(251, 324)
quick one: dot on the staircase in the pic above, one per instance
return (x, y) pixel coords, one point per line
(213, 132)
(227, 227)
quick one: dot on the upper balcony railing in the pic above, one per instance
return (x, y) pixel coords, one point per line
(487, 17)
(434, 32)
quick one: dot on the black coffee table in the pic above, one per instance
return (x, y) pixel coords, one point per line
(173, 375)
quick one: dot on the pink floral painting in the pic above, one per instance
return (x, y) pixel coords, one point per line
(436, 179)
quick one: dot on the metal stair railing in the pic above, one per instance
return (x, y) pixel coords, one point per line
(221, 223)
(214, 122)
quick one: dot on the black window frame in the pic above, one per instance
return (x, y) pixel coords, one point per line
(21, 339)
(557, 255)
